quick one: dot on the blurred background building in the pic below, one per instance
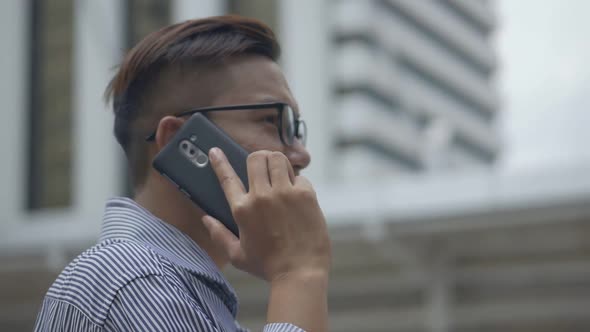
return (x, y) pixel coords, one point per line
(421, 72)
(402, 105)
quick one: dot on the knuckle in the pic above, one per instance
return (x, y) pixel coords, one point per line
(282, 159)
(283, 193)
(256, 157)
(240, 208)
(226, 179)
(285, 196)
(258, 154)
(262, 199)
(252, 156)
(277, 155)
(307, 194)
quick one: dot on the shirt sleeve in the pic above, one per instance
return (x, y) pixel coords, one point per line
(274, 327)
(152, 304)
(281, 327)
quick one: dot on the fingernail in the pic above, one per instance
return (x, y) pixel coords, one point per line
(215, 154)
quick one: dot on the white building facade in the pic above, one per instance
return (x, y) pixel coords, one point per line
(387, 87)
(414, 86)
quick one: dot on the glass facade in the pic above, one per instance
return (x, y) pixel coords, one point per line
(49, 173)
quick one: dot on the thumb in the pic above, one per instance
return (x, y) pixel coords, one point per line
(224, 239)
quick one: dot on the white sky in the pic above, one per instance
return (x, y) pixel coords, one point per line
(544, 81)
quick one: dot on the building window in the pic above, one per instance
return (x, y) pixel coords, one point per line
(472, 149)
(426, 78)
(50, 104)
(263, 10)
(435, 38)
(465, 18)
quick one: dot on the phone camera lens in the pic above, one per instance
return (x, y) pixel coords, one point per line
(202, 159)
(184, 145)
(191, 152)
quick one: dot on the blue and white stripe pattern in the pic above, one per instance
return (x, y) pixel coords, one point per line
(143, 275)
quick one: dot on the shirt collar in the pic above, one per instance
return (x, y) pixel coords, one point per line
(124, 219)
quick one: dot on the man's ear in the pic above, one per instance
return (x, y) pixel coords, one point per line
(167, 127)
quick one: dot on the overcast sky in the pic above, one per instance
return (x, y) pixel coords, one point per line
(544, 81)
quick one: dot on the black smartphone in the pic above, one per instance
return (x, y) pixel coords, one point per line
(185, 162)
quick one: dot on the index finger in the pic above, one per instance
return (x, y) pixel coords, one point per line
(230, 182)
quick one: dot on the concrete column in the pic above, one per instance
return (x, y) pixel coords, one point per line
(14, 33)
(98, 41)
(438, 305)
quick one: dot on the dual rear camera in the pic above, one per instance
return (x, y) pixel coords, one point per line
(195, 155)
(186, 147)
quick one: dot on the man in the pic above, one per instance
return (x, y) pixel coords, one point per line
(157, 264)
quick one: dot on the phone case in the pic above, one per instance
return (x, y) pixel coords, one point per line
(200, 183)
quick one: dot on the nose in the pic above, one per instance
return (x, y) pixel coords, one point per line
(298, 156)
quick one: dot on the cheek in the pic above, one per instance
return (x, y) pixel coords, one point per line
(259, 141)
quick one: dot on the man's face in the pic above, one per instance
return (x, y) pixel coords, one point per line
(244, 80)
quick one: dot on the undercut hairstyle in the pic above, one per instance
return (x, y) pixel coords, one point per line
(207, 41)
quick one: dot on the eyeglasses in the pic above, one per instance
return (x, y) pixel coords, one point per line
(289, 127)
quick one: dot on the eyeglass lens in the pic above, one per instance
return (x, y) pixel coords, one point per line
(302, 132)
(292, 128)
(288, 125)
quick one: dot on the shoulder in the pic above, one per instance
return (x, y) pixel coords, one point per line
(115, 263)
(92, 280)
(154, 303)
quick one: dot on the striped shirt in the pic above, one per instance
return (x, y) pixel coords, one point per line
(143, 275)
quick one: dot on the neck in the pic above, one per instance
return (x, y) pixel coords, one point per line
(168, 204)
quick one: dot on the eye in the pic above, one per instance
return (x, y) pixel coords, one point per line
(272, 119)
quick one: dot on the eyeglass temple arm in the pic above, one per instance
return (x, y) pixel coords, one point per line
(152, 136)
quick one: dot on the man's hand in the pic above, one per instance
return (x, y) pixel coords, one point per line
(283, 236)
(282, 228)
